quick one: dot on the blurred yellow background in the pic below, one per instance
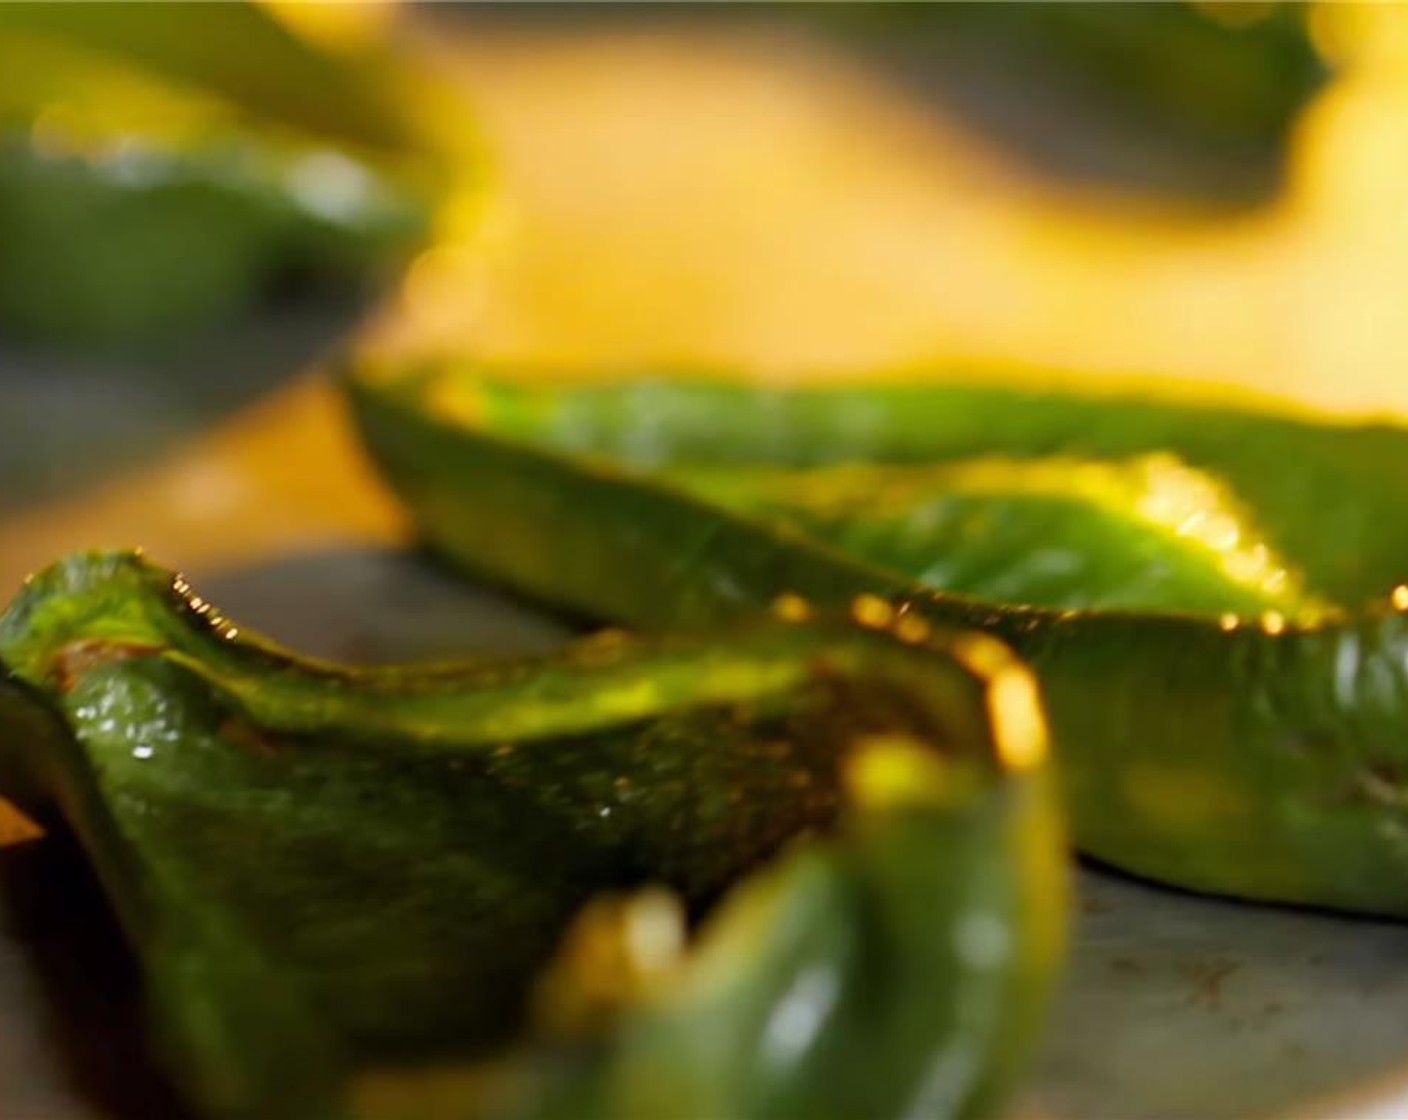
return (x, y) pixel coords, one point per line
(756, 202)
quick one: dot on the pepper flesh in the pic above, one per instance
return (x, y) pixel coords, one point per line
(1263, 757)
(347, 886)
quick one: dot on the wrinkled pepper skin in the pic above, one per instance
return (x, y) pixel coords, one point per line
(1263, 757)
(796, 867)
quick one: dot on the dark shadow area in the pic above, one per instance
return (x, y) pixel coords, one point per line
(70, 419)
(1060, 123)
(1238, 906)
(1133, 97)
(54, 919)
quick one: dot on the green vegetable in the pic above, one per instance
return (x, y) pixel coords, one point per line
(800, 867)
(1263, 756)
(140, 243)
(164, 168)
(1055, 532)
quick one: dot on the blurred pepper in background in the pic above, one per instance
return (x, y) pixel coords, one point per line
(742, 191)
(1202, 96)
(162, 168)
(785, 191)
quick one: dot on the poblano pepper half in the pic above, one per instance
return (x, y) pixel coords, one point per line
(1210, 597)
(798, 867)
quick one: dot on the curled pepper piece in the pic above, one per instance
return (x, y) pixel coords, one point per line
(801, 865)
(1261, 755)
(1327, 495)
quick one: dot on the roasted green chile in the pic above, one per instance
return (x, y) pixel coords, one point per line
(165, 168)
(796, 867)
(1217, 630)
(143, 242)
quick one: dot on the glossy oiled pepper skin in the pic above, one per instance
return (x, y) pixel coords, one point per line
(383, 893)
(1053, 532)
(1259, 756)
